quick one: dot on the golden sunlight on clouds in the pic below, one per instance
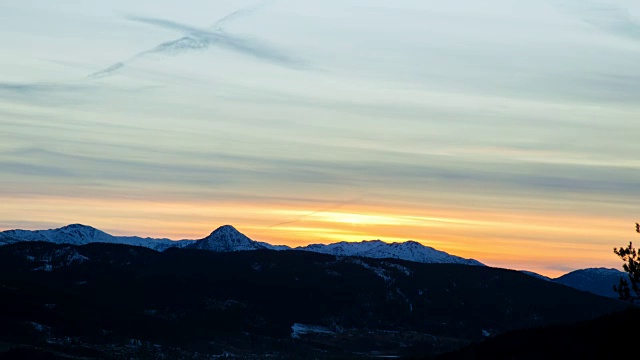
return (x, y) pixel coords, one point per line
(507, 239)
(367, 218)
(354, 219)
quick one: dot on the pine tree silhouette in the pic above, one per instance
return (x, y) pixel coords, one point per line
(632, 267)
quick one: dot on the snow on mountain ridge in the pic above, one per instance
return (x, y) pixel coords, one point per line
(408, 250)
(596, 280)
(78, 234)
(75, 234)
(602, 271)
(535, 275)
(226, 238)
(342, 248)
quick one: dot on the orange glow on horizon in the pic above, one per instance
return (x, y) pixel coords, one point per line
(550, 244)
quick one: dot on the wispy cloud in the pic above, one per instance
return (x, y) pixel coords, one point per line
(55, 94)
(42, 93)
(279, 176)
(109, 70)
(36, 87)
(328, 208)
(610, 18)
(239, 13)
(201, 39)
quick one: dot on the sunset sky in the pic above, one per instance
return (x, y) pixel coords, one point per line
(503, 130)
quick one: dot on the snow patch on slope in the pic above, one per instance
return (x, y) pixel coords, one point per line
(297, 330)
(56, 259)
(535, 275)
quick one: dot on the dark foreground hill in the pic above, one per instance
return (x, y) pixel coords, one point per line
(608, 337)
(117, 301)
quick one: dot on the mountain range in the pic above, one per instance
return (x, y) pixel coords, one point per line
(408, 250)
(77, 234)
(115, 301)
(227, 239)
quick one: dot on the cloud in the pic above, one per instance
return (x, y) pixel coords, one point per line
(239, 14)
(328, 208)
(36, 87)
(277, 176)
(609, 18)
(201, 39)
(246, 46)
(61, 94)
(109, 70)
(34, 170)
(43, 94)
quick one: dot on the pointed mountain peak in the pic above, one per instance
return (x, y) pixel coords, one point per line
(225, 229)
(225, 239)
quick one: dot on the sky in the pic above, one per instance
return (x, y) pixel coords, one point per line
(502, 130)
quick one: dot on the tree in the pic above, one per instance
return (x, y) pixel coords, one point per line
(631, 257)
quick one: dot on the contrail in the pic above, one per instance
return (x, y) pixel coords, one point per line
(201, 39)
(328, 208)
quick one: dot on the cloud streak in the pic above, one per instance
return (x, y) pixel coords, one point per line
(202, 39)
(238, 14)
(37, 87)
(609, 18)
(43, 93)
(282, 175)
(328, 208)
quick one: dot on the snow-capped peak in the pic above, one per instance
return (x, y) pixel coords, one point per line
(343, 248)
(226, 238)
(83, 233)
(226, 230)
(408, 250)
(78, 234)
(77, 227)
(596, 280)
(600, 271)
